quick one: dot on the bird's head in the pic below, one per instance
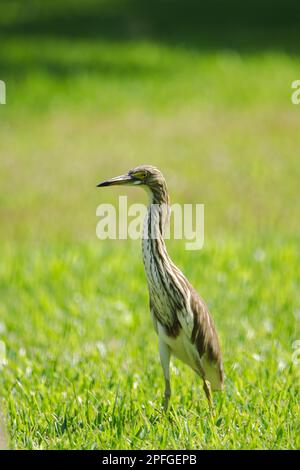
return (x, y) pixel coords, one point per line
(143, 175)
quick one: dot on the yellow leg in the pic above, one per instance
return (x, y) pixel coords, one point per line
(167, 395)
(207, 390)
(164, 353)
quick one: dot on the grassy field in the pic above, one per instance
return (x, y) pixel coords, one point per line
(81, 368)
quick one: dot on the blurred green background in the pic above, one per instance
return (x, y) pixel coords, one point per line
(203, 91)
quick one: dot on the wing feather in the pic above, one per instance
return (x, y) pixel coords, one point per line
(205, 337)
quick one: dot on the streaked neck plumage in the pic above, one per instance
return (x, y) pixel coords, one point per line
(166, 283)
(155, 222)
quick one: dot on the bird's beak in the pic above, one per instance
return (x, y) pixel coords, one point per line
(117, 180)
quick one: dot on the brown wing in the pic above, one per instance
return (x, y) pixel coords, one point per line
(204, 335)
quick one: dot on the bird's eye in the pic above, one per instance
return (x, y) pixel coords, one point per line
(140, 175)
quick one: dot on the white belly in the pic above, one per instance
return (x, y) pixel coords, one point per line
(181, 346)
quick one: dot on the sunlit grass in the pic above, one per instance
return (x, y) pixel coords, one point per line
(82, 368)
(82, 363)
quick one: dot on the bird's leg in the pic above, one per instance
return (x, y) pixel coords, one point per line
(164, 353)
(167, 394)
(206, 385)
(207, 390)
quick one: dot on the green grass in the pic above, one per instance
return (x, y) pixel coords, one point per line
(82, 367)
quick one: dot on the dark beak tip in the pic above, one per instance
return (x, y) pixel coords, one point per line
(118, 180)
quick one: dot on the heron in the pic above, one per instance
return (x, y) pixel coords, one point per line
(180, 316)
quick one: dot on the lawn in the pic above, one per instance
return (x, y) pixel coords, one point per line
(81, 368)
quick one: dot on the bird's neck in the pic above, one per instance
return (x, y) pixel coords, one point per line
(155, 254)
(163, 277)
(157, 217)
